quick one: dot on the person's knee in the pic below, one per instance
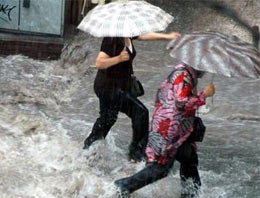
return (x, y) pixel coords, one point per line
(106, 121)
(109, 122)
(146, 112)
(160, 171)
(143, 113)
(141, 119)
(111, 119)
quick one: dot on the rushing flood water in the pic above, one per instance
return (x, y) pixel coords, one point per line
(47, 110)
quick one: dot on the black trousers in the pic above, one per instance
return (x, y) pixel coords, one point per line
(121, 101)
(152, 172)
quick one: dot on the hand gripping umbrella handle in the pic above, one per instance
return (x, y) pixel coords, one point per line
(256, 36)
(83, 8)
(212, 80)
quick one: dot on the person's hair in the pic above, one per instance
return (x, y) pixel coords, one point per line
(199, 73)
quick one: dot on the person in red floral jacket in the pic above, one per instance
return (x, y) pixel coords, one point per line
(172, 123)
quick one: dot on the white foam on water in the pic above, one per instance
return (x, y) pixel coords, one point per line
(208, 190)
(46, 163)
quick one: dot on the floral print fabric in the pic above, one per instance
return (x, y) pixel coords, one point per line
(175, 107)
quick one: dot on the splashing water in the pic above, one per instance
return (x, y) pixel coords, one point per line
(46, 111)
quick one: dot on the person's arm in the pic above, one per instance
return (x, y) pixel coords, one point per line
(159, 36)
(104, 61)
(200, 99)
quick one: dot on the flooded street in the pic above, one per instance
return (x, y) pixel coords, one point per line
(48, 109)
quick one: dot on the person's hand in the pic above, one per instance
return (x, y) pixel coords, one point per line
(209, 90)
(124, 56)
(173, 35)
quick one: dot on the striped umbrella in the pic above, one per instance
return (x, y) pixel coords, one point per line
(125, 19)
(217, 53)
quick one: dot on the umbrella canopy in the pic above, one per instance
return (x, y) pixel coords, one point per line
(125, 19)
(217, 53)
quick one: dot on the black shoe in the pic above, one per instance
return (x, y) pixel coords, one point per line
(136, 153)
(122, 190)
(90, 140)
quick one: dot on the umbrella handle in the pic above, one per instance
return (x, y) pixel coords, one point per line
(212, 80)
(212, 77)
(212, 100)
(256, 36)
(83, 8)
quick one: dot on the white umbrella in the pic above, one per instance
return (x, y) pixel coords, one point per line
(125, 19)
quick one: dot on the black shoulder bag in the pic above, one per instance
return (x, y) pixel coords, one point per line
(136, 87)
(198, 132)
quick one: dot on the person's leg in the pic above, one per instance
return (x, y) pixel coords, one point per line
(190, 179)
(109, 109)
(151, 173)
(139, 115)
(190, 188)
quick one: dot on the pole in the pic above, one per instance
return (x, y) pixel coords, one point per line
(255, 36)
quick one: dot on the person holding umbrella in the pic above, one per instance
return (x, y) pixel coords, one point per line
(172, 124)
(112, 86)
(120, 23)
(171, 133)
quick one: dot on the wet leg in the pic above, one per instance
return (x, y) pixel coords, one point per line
(139, 115)
(189, 174)
(109, 109)
(151, 173)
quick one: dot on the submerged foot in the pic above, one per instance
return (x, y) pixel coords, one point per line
(136, 154)
(90, 140)
(189, 195)
(122, 190)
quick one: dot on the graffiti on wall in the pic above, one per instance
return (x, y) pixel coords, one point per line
(5, 12)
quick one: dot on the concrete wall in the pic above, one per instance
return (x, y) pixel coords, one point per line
(34, 16)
